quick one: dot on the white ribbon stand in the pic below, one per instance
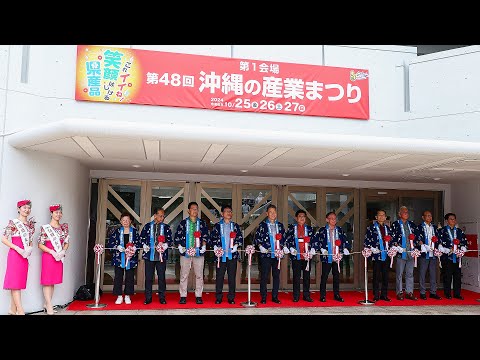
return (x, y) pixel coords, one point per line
(366, 301)
(97, 304)
(248, 303)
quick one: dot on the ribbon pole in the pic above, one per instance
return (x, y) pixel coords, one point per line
(366, 301)
(99, 251)
(249, 303)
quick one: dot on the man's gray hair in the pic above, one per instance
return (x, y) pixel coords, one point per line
(401, 208)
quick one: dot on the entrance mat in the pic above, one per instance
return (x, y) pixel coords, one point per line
(351, 299)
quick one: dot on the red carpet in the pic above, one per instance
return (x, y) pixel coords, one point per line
(351, 299)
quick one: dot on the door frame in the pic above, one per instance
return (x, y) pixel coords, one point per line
(393, 195)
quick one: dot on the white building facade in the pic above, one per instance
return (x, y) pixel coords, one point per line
(422, 137)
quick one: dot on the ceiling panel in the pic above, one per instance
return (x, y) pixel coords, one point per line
(357, 158)
(64, 147)
(409, 161)
(466, 165)
(182, 150)
(187, 156)
(119, 164)
(120, 148)
(300, 157)
(242, 154)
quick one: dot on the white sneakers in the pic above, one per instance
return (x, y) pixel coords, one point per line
(119, 300)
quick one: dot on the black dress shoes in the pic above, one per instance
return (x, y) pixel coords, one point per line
(323, 299)
(163, 301)
(147, 301)
(338, 298)
(276, 301)
(198, 300)
(423, 296)
(263, 301)
(376, 298)
(448, 297)
(385, 298)
(183, 300)
(410, 296)
(231, 301)
(459, 297)
(218, 301)
(295, 299)
(307, 299)
(435, 296)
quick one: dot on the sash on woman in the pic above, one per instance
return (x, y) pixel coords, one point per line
(23, 232)
(54, 238)
(122, 254)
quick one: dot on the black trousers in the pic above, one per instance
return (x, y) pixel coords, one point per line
(336, 279)
(230, 266)
(298, 266)
(150, 267)
(267, 264)
(380, 274)
(118, 281)
(451, 270)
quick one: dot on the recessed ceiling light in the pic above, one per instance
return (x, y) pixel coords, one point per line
(136, 166)
(436, 179)
(382, 193)
(243, 171)
(345, 174)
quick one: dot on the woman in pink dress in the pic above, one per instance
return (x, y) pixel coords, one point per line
(53, 241)
(18, 236)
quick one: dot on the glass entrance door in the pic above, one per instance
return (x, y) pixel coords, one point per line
(117, 197)
(300, 198)
(252, 206)
(173, 198)
(390, 201)
(211, 198)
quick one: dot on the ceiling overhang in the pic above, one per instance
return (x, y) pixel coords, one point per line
(268, 152)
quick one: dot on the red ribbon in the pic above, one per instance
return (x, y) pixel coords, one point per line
(387, 239)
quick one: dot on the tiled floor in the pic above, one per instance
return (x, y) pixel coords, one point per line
(364, 310)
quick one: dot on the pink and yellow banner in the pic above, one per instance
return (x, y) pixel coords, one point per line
(118, 75)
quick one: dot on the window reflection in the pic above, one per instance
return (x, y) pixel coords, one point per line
(254, 205)
(130, 195)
